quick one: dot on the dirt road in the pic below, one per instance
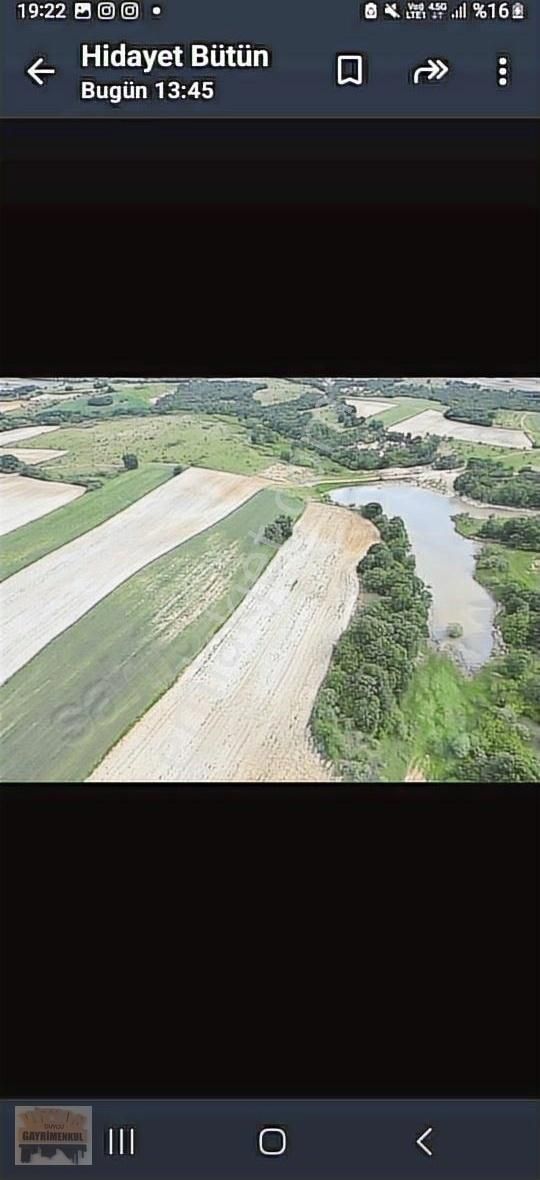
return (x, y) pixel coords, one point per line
(240, 712)
(23, 499)
(43, 599)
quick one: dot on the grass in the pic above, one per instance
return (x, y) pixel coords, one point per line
(437, 705)
(34, 540)
(331, 485)
(510, 458)
(328, 416)
(521, 420)
(190, 439)
(406, 407)
(279, 390)
(64, 710)
(123, 395)
(523, 564)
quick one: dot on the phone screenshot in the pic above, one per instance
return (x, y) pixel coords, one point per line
(269, 627)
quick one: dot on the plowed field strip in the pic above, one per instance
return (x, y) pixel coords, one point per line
(40, 601)
(240, 712)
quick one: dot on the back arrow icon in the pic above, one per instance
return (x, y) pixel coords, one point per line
(37, 69)
(420, 1141)
(435, 69)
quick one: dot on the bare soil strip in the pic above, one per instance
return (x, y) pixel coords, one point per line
(8, 437)
(240, 712)
(32, 458)
(369, 407)
(415, 774)
(434, 422)
(43, 599)
(23, 499)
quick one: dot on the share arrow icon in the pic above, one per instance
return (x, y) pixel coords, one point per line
(432, 70)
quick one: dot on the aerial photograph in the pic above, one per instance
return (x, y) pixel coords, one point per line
(270, 580)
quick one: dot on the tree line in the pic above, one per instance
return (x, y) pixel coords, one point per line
(374, 660)
(488, 480)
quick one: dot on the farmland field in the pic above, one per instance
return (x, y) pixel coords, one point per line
(23, 499)
(529, 421)
(69, 705)
(41, 601)
(280, 391)
(33, 458)
(240, 712)
(390, 410)
(174, 614)
(29, 543)
(433, 422)
(189, 439)
(21, 433)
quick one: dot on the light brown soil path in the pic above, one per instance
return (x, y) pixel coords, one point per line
(40, 601)
(10, 437)
(23, 499)
(240, 712)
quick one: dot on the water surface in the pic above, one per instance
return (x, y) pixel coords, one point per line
(444, 560)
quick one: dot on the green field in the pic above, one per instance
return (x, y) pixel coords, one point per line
(529, 421)
(64, 710)
(523, 564)
(506, 455)
(328, 416)
(34, 540)
(438, 704)
(122, 395)
(194, 440)
(406, 408)
(279, 390)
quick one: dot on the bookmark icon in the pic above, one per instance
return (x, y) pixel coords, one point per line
(351, 68)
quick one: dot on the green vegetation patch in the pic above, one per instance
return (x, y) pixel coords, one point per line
(278, 390)
(521, 420)
(389, 704)
(405, 408)
(491, 482)
(192, 439)
(32, 541)
(64, 710)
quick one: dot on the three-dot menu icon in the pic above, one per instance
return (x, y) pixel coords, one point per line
(504, 72)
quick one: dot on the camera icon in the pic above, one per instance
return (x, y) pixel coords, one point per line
(106, 10)
(130, 10)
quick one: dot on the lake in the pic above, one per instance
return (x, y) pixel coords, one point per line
(444, 560)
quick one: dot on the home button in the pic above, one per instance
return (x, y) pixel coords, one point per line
(272, 1141)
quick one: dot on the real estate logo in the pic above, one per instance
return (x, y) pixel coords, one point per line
(53, 1134)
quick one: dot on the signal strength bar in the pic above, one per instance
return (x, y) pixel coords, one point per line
(459, 13)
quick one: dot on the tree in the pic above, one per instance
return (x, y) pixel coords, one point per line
(130, 461)
(279, 530)
(372, 511)
(10, 463)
